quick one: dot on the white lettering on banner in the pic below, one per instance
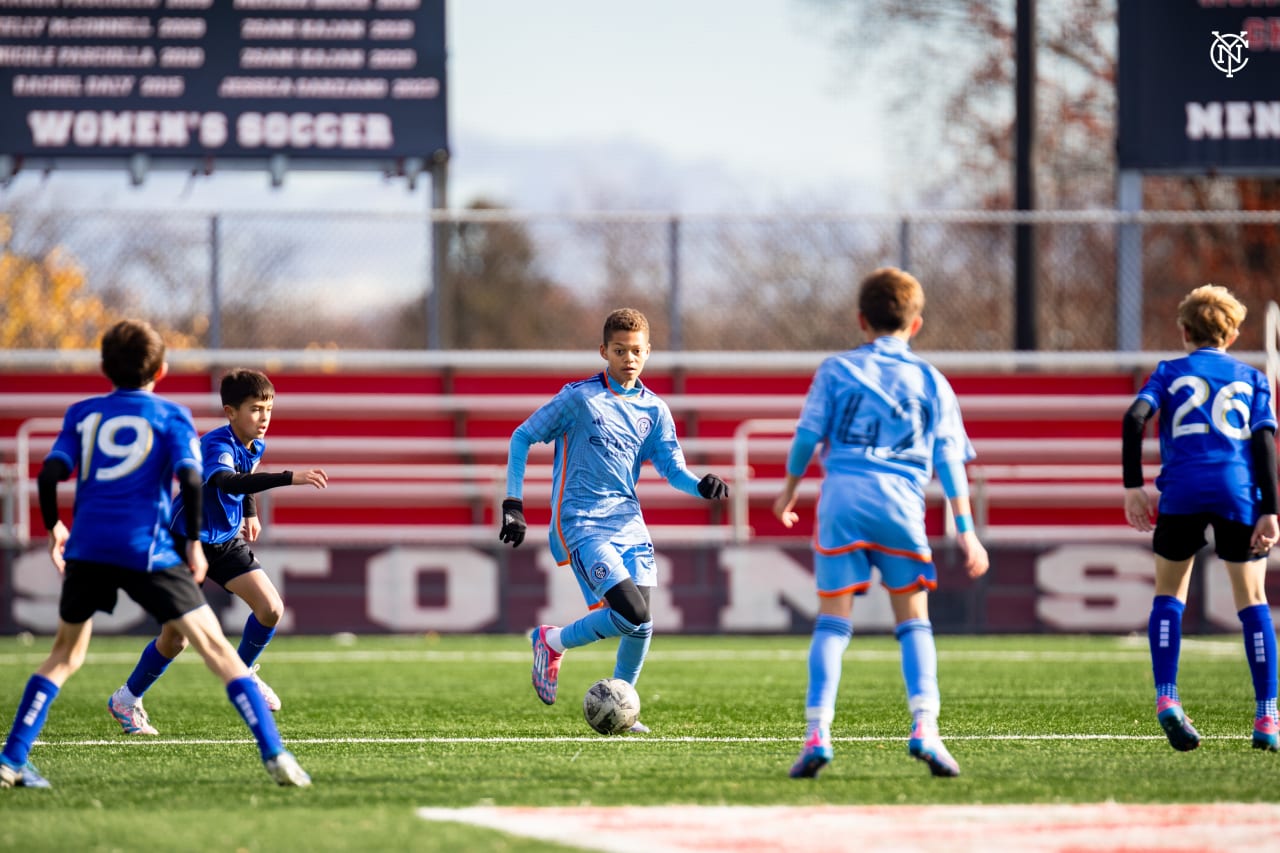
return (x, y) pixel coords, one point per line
(565, 604)
(37, 586)
(147, 128)
(1219, 603)
(471, 589)
(47, 86)
(278, 563)
(1233, 120)
(762, 579)
(308, 130)
(22, 26)
(1095, 587)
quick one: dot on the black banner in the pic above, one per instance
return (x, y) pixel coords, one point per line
(1199, 85)
(332, 80)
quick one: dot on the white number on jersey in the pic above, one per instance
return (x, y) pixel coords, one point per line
(1233, 397)
(95, 433)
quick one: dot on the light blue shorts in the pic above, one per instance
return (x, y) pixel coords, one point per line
(857, 533)
(600, 565)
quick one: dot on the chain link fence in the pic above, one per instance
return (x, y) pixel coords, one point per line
(496, 279)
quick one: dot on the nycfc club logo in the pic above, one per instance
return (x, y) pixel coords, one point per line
(1227, 52)
(599, 571)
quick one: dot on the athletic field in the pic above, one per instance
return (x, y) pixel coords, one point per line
(426, 743)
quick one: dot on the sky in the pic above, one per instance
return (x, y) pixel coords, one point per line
(686, 105)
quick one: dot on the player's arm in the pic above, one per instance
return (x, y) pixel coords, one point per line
(252, 526)
(955, 486)
(513, 524)
(52, 472)
(1262, 448)
(1137, 506)
(192, 491)
(225, 480)
(802, 447)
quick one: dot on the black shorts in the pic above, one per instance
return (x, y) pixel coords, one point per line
(227, 560)
(1179, 537)
(89, 587)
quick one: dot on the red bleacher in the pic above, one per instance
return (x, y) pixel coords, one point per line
(419, 454)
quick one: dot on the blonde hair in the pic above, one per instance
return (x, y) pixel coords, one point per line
(1211, 315)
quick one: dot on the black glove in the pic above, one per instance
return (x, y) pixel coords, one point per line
(713, 488)
(513, 526)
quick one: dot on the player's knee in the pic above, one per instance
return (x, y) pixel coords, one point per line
(270, 614)
(171, 646)
(626, 601)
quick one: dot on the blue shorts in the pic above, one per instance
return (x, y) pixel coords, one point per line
(600, 565)
(856, 534)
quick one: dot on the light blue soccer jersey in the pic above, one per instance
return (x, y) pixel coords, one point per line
(125, 448)
(885, 418)
(1210, 403)
(223, 512)
(602, 437)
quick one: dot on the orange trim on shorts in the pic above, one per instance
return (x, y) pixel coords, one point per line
(597, 606)
(855, 589)
(920, 582)
(861, 545)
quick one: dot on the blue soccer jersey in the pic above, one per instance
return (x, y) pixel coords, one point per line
(885, 419)
(223, 512)
(125, 448)
(602, 437)
(1210, 404)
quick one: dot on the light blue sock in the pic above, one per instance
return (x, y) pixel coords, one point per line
(919, 666)
(1260, 651)
(151, 665)
(1164, 634)
(826, 658)
(254, 640)
(33, 710)
(247, 699)
(632, 649)
(596, 625)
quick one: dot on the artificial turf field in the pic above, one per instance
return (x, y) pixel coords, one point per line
(389, 725)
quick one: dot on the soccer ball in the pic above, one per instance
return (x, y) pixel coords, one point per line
(611, 706)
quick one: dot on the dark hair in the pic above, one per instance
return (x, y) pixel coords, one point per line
(243, 384)
(890, 299)
(624, 320)
(132, 353)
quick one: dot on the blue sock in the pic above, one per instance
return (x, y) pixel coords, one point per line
(1164, 634)
(254, 640)
(919, 666)
(247, 699)
(33, 710)
(826, 659)
(596, 625)
(1260, 651)
(151, 665)
(632, 649)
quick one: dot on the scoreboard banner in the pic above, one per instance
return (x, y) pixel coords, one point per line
(339, 81)
(1199, 85)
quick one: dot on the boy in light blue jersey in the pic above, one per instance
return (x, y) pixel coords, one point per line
(1217, 469)
(604, 428)
(231, 455)
(885, 419)
(127, 447)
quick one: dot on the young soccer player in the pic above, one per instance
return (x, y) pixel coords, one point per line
(127, 447)
(604, 428)
(886, 419)
(231, 455)
(1217, 469)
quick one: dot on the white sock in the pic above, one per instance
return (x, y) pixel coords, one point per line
(125, 697)
(553, 640)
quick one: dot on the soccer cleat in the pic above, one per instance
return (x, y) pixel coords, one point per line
(1176, 724)
(816, 755)
(132, 718)
(546, 665)
(1266, 734)
(26, 776)
(926, 745)
(638, 728)
(286, 771)
(273, 701)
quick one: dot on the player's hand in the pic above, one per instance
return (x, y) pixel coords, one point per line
(513, 526)
(976, 561)
(314, 477)
(197, 561)
(1265, 534)
(1137, 509)
(252, 528)
(784, 509)
(713, 488)
(58, 537)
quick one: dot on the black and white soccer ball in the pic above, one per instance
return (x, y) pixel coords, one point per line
(611, 706)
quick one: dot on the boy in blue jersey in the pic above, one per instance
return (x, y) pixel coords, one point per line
(1217, 469)
(231, 455)
(127, 447)
(886, 419)
(604, 429)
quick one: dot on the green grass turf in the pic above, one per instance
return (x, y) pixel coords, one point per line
(389, 724)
